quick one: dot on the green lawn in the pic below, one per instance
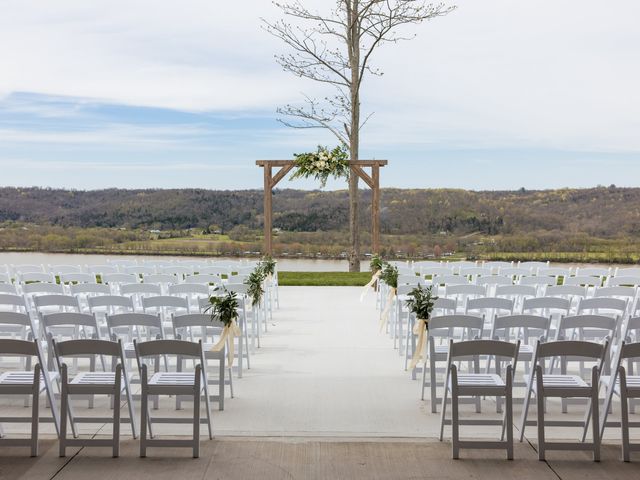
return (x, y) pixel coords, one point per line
(323, 279)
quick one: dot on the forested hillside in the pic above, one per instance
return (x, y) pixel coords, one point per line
(602, 212)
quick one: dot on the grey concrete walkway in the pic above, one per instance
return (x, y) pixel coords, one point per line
(326, 397)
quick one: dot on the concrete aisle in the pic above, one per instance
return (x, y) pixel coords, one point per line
(324, 369)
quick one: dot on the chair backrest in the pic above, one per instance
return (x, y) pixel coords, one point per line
(572, 348)
(546, 304)
(554, 272)
(5, 278)
(239, 278)
(475, 271)
(70, 324)
(8, 288)
(58, 301)
(515, 291)
(445, 306)
(450, 280)
(598, 304)
(497, 266)
(38, 288)
(189, 289)
(151, 325)
(623, 281)
(625, 292)
(119, 278)
(583, 280)
(533, 266)
(239, 288)
(630, 350)
(165, 301)
(565, 291)
(203, 279)
(64, 269)
(628, 272)
(86, 347)
(177, 270)
(199, 326)
(538, 281)
(509, 327)
(90, 289)
(181, 348)
(586, 326)
(110, 302)
(19, 269)
(448, 326)
(497, 280)
(18, 348)
(514, 272)
(490, 303)
(102, 269)
(409, 280)
(16, 323)
(37, 277)
(76, 277)
(140, 289)
(138, 270)
(438, 271)
(472, 348)
(11, 302)
(458, 290)
(161, 279)
(593, 271)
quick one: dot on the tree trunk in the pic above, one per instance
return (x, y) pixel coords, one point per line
(353, 36)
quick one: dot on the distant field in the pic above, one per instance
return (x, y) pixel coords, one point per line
(323, 279)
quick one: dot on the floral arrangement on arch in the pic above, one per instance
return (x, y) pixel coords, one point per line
(322, 164)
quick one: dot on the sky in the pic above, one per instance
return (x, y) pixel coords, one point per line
(147, 94)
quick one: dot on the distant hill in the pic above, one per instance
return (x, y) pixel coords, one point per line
(604, 212)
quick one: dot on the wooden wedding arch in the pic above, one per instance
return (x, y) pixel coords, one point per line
(272, 179)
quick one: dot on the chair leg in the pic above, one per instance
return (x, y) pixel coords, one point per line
(116, 417)
(64, 399)
(144, 414)
(509, 414)
(595, 421)
(432, 385)
(221, 381)
(196, 415)
(455, 426)
(525, 412)
(624, 420)
(540, 401)
(35, 413)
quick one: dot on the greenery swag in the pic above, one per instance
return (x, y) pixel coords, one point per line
(322, 164)
(223, 307)
(390, 275)
(376, 264)
(421, 302)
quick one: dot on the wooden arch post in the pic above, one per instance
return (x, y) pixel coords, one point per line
(357, 168)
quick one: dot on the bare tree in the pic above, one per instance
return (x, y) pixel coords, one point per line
(336, 48)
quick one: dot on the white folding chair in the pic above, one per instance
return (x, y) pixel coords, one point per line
(444, 328)
(461, 293)
(31, 383)
(475, 384)
(200, 326)
(112, 383)
(627, 388)
(194, 384)
(564, 386)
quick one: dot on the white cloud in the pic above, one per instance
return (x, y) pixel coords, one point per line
(493, 74)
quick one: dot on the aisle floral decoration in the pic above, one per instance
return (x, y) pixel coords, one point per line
(322, 164)
(255, 283)
(225, 308)
(421, 302)
(389, 276)
(375, 266)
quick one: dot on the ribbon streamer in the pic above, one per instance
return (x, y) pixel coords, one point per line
(367, 287)
(420, 329)
(229, 332)
(384, 319)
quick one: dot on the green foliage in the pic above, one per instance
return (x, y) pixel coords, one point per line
(223, 307)
(390, 275)
(267, 265)
(421, 302)
(255, 281)
(322, 164)
(376, 263)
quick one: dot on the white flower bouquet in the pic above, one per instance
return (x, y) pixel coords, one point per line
(322, 164)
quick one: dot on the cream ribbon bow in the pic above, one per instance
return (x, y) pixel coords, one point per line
(384, 319)
(367, 287)
(420, 329)
(229, 332)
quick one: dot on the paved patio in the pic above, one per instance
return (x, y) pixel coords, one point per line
(326, 397)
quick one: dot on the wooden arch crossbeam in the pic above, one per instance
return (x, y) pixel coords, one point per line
(272, 178)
